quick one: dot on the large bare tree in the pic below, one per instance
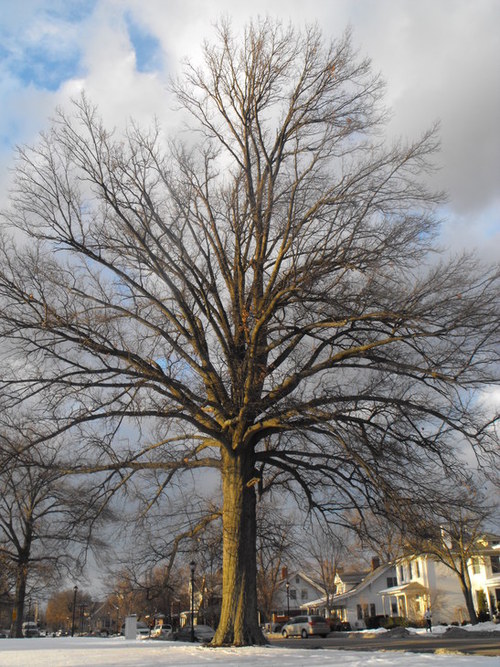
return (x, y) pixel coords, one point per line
(260, 300)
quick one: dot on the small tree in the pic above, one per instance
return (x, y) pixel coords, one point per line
(261, 302)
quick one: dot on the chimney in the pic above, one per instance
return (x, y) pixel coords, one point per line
(375, 562)
(284, 573)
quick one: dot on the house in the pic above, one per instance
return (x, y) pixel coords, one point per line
(294, 589)
(485, 574)
(423, 581)
(357, 598)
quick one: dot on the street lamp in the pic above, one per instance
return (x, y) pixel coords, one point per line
(288, 599)
(192, 565)
(75, 591)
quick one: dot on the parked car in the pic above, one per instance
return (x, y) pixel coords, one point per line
(164, 631)
(4, 634)
(142, 630)
(306, 626)
(30, 629)
(202, 633)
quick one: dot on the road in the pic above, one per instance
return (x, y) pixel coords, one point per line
(474, 643)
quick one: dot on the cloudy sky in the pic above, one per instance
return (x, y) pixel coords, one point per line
(440, 59)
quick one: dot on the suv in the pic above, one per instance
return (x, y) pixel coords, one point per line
(306, 626)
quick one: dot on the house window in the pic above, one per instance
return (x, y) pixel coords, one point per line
(417, 568)
(476, 566)
(394, 607)
(293, 594)
(495, 564)
(392, 581)
(410, 571)
(401, 573)
(297, 579)
(303, 594)
(359, 612)
(373, 612)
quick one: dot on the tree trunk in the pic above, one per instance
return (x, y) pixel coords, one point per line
(16, 629)
(469, 601)
(238, 624)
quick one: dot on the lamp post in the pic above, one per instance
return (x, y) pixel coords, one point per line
(75, 591)
(288, 599)
(192, 565)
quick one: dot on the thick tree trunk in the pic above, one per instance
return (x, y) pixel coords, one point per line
(16, 628)
(239, 624)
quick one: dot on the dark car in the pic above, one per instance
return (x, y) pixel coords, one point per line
(202, 633)
(306, 626)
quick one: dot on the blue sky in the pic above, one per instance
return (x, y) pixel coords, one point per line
(439, 57)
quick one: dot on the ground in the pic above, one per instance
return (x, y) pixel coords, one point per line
(100, 652)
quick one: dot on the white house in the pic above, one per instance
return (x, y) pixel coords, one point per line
(357, 596)
(301, 588)
(425, 582)
(485, 574)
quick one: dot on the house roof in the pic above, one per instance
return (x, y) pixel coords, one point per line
(370, 576)
(410, 587)
(353, 577)
(305, 577)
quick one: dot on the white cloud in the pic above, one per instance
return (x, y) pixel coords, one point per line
(439, 58)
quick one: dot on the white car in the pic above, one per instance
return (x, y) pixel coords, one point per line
(164, 631)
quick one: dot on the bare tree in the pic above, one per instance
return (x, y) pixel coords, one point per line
(44, 520)
(278, 546)
(261, 302)
(329, 548)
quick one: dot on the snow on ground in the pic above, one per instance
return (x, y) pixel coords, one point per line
(116, 651)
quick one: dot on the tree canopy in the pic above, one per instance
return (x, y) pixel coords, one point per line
(261, 299)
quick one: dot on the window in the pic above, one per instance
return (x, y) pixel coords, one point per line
(394, 607)
(359, 612)
(476, 566)
(392, 581)
(297, 579)
(303, 594)
(410, 571)
(401, 573)
(373, 612)
(417, 568)
(293, 594)
(495, 564)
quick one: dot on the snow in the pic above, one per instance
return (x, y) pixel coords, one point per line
(104, 652)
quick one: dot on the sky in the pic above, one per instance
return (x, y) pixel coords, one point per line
(93, 652)
(439, 59)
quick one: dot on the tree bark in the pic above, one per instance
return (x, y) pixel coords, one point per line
(16, 629)
(466, 590)
(238, 624)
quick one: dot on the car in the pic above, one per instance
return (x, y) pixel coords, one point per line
(164, 631)
(143, 630)
(306, 626)
(30, 629)
(4, 634)
(202, 633)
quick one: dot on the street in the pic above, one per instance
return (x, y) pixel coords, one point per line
(475, 643)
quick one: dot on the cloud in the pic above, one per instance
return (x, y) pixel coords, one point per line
(439, 58)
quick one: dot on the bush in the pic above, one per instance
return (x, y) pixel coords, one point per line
(395, 622)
